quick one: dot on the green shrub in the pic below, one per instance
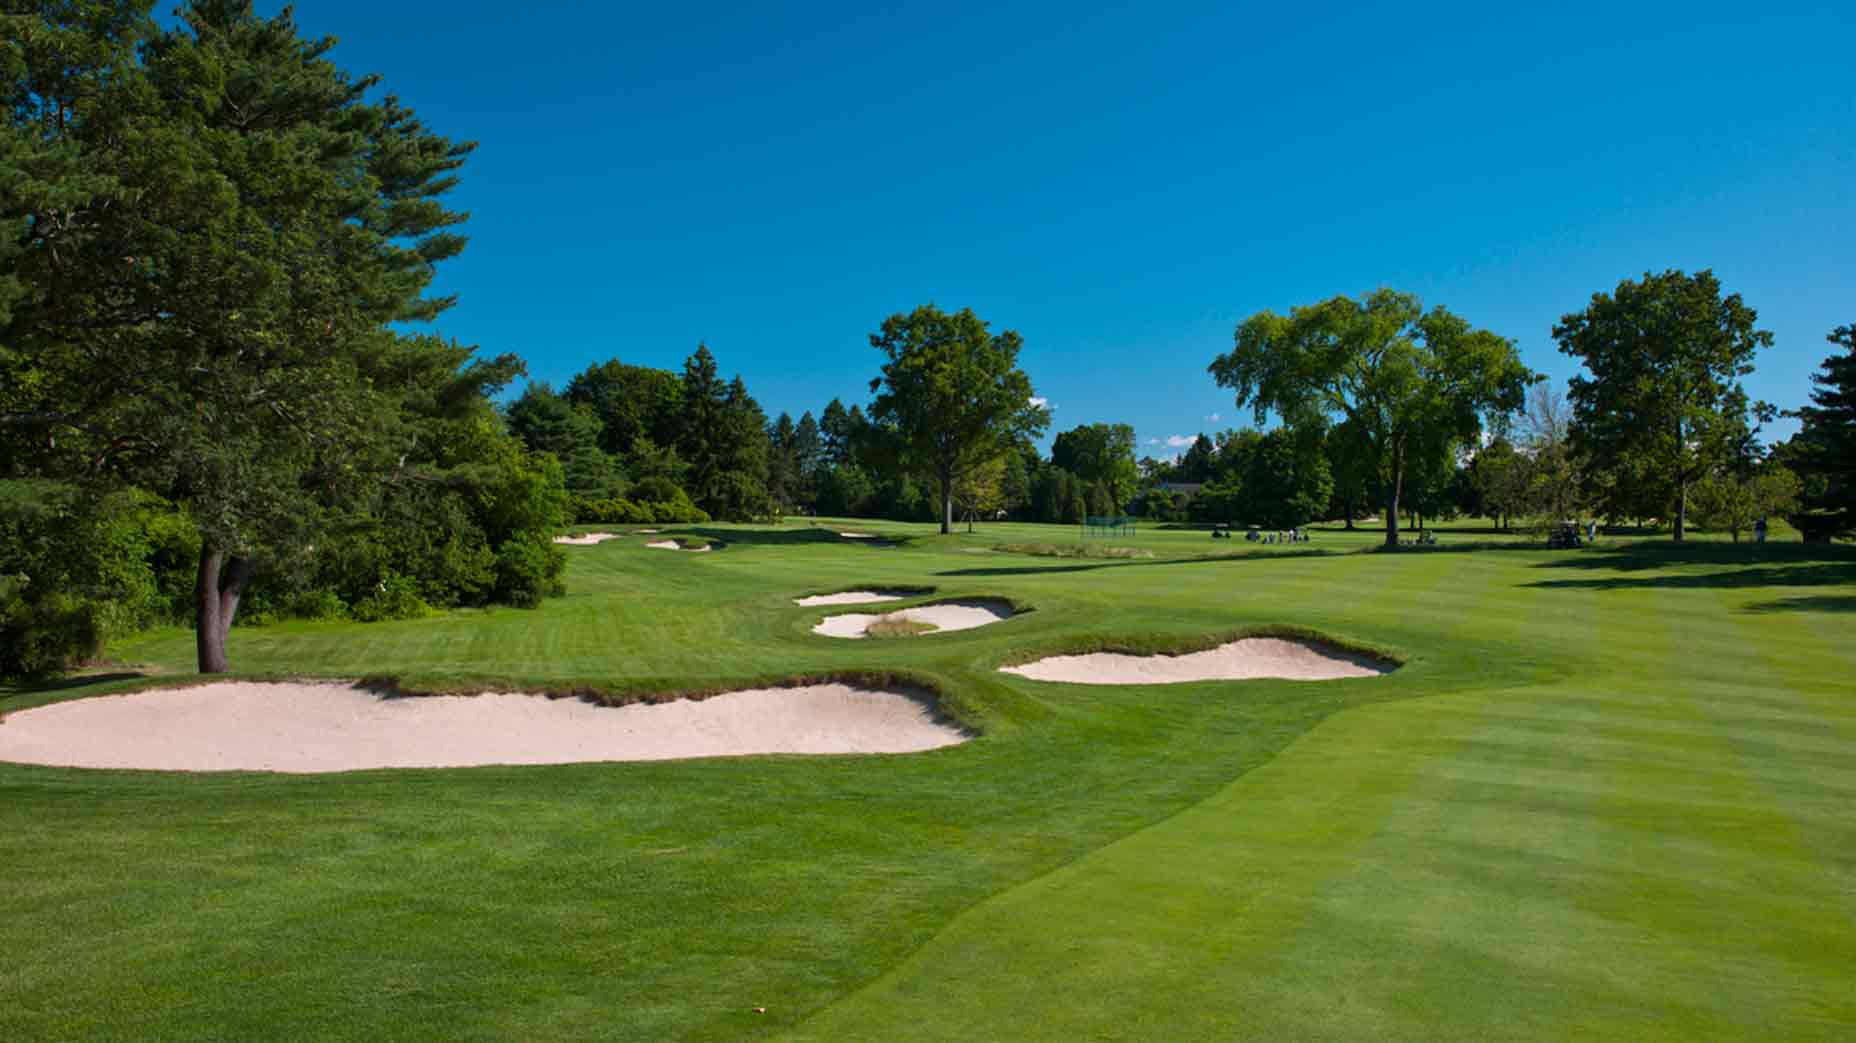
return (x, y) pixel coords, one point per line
(396, 597)
(318, 605)
(48, 634)
(528, 570)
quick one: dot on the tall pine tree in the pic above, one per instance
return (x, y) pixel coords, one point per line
(211, 244)
(1824, 450)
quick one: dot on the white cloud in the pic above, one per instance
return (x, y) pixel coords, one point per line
(1179, 441)
(1214, 418)
(1040, 402)
(1153, 441)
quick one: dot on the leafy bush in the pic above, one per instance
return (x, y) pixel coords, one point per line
(397, 597)
(657, 489)
(81, 567)
(528, 570)
(48, 634)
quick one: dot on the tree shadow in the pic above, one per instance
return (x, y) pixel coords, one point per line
(1203, 559)
(1745, 565)
(776, 537)
(65, 684)
(1661, 554)
(1807, 603)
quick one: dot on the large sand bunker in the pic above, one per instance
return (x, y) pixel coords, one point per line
(1241, 660)
(948, 615)
(855, 597)
(586, 539)
(318, 727)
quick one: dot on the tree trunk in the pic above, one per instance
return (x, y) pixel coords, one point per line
(1347, 504)
(1392, 490)
(1682, 511)
(947, 502)
(216, 591)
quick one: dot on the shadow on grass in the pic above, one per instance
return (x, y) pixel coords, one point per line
(1119, 563)
(1747, 565)
(1807, 603)
(65, 684)
(783, 537)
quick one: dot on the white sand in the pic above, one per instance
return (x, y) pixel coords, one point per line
(1241, 660)
(317, 727)
(586, 539)
(858, 535)
(849, 597)
(674, 545)
(647, 532)
(952, 615)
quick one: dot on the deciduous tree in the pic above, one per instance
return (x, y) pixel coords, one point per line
(953, 394)
(1100, 454)
(1403, 376)
(1733, 501)
(1662, 405)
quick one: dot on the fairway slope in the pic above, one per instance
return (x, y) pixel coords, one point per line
(322, 727)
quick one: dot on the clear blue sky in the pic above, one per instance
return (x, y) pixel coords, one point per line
(1121, 185)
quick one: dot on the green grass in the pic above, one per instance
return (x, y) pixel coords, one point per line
(1607, 796)
(1073, 550)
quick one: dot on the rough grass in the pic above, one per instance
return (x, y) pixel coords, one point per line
(898, 627)
(1072, 550)
(1607, 795)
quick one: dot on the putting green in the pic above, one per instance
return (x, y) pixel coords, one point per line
(1606, 796)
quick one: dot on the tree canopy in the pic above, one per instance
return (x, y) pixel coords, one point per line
(953, 394)
(1404, 378)
(1662, 405)
(1824, 450)
(215, 233)
(1101, 455)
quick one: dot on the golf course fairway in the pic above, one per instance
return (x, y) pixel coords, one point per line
(1606, 795)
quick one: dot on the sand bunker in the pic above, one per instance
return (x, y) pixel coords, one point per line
(949, 615)
(317, 727)
(852, 597)
(674, 545)
(586, 539)
(858, 535)
(1241, 660)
